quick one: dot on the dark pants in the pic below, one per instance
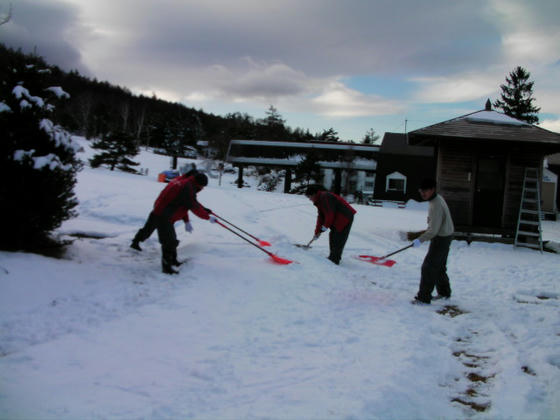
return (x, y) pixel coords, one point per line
(168, 240)
(434, 269)
(146, 231)
(166, 235)
(337, 240)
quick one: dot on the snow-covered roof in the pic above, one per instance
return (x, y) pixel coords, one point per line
(250, 152)
(357, 164)
(307, 145)
(493, 117)
(484, 125)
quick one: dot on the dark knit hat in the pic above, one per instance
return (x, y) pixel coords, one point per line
(313, 189)
(201, 179)
(427, 184)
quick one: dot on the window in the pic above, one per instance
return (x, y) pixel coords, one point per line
(396, 182)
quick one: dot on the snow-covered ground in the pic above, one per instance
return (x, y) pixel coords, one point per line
(102, 333)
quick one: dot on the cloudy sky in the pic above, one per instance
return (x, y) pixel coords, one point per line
(351, 65)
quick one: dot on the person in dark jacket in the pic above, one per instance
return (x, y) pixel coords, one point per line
(173, 204)
(334, 213)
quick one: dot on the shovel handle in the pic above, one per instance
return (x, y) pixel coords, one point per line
(396, 252)
(239, 229)
(275, 258)
(245, 239)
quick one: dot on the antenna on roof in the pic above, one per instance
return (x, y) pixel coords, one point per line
(488, 106)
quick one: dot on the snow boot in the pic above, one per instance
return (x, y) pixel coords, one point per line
(135, 245)
(417, 301)
(167, 269)
(167, 266)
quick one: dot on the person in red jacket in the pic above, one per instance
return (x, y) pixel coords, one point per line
(334, 213)
(173, 204)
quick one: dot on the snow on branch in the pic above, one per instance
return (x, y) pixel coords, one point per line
(57, 134)
(51, 160)
(23, 95)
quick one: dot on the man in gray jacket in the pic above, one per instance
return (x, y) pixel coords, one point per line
(439, 233)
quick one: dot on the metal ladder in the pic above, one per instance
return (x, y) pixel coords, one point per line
(529, 233)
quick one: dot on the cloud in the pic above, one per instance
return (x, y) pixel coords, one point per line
(279, 84)
(299, 55)
(455, 88)
(337, 100)
(529, 30)
(48, 29)
(551, 125)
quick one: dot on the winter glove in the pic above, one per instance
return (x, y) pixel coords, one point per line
(212, 219)
(324, 229)
(316, 236)
(208, 210)
(414, 235)
(188, 227)
(416, 243)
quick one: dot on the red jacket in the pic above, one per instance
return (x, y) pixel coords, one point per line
(334, 211)
(177, 198)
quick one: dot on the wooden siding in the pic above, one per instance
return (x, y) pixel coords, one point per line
(456, 177)
(455, 169)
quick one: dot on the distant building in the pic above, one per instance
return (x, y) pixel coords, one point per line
(347, 168)
(401, 167)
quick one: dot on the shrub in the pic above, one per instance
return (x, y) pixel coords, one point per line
(38, 164)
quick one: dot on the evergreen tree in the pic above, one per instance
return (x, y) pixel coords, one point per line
(329, 135)
(116, 150)
(38, 163)
(370, 137)
(517, 97)
(308, 169)
(272, 126)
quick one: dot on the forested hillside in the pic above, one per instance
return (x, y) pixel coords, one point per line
(96, 108)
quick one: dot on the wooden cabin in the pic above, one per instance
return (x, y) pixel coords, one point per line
(401, 167)
(480, 165)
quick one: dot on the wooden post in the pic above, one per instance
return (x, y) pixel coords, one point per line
(337, 180)
(288, 181)
(240, 177)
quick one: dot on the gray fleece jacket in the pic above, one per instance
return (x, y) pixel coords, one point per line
(439, 219)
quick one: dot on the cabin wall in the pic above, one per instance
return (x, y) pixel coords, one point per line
(455, 179)
(456, 173)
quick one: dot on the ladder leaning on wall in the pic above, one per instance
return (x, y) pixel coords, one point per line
(529, 232)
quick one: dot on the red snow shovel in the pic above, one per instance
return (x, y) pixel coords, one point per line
(382, 260)
(275, 258)
(261, 243)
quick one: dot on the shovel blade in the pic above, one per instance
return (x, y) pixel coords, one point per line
(377, 260)
(280, 260)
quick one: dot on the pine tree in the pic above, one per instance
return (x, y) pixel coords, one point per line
(516, 97)
(116, 150)
(38, 163)
(272, 127)
(329, 135)
(308, 169)
(370, 137)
